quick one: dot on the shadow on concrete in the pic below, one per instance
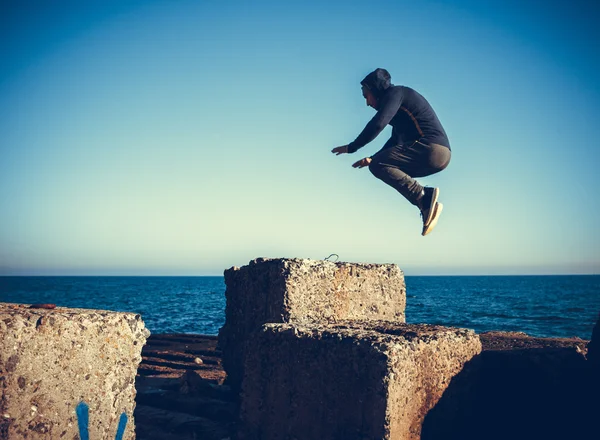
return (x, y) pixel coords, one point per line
(525, 393)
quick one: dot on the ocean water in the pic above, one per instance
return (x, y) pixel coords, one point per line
(545, 306)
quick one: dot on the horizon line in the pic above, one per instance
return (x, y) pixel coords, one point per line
(221, 275)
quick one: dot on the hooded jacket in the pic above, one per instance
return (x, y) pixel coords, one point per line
(408, 112)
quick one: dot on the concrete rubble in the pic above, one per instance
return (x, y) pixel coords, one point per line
(53, 361)
(173, 406)
(323, 352)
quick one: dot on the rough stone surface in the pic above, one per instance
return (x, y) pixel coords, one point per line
(303, 291)
(53, 359)
(350, 380)
(499, 340)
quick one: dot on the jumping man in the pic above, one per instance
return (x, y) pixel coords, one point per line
(418, 147)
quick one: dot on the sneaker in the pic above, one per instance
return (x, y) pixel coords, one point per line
(427, 204)
(427, 228)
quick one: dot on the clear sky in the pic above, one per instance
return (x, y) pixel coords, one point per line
(185, 137)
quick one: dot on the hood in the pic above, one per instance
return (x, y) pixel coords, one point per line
(378, 81)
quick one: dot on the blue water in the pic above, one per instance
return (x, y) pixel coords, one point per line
(547, 306)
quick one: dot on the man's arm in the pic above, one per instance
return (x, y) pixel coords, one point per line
(389, 107)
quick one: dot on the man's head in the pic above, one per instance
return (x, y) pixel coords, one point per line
(371, 100)
(374, 86)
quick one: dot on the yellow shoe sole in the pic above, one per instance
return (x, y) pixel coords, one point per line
(431, 211)
(434, 219)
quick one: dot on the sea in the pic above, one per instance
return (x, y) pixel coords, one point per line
(542, 306)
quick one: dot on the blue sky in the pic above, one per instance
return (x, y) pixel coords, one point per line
(185, 137)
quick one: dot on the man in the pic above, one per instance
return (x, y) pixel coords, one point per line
(418, 147)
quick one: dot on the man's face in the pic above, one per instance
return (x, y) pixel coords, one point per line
(371, 101)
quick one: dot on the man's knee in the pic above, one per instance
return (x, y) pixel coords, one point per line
(439, 158)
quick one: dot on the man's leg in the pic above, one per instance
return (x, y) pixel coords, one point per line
(397, 166)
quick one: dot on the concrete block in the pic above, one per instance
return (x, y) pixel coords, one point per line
(302, 291)
(59, 367)
(351, 380)
(519, 388)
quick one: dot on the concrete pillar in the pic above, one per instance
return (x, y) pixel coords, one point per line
(303, 291)
(65, 373)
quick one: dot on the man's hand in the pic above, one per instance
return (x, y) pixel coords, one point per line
(362, 163)
(340, 150)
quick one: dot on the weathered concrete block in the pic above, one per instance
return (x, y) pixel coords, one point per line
(369, 380)
(295, 290)
(518, 388)
(53, 360)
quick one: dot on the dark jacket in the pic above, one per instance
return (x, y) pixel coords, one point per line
(409, 113)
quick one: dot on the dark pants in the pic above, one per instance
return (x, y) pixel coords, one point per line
(397, 166)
